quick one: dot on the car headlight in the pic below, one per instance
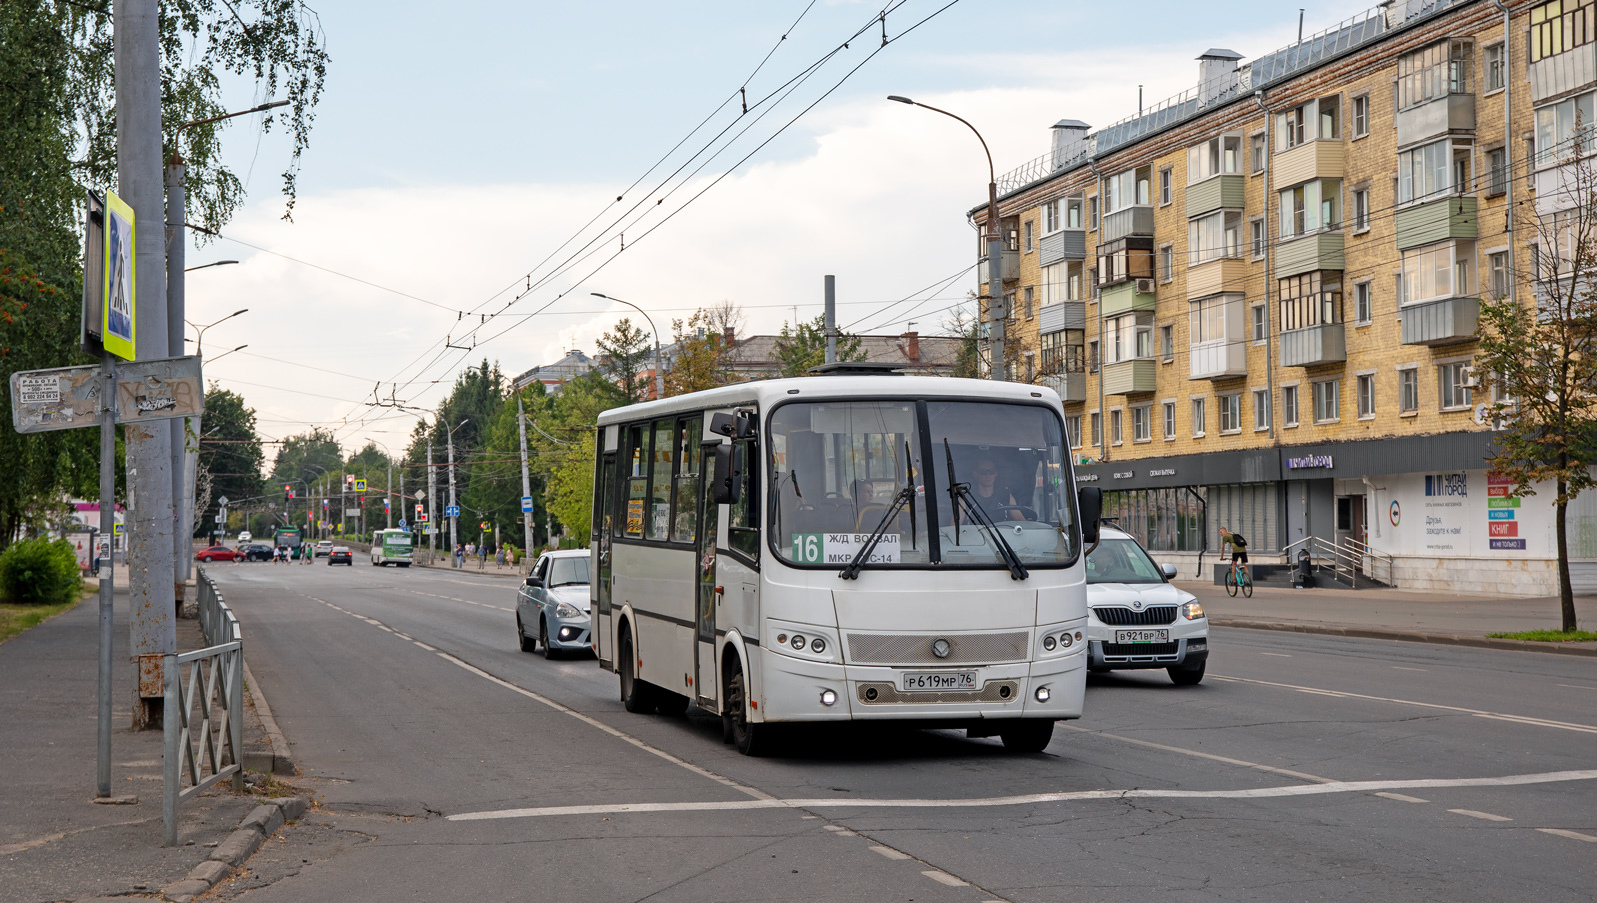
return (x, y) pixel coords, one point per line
(567, 610)
(1192, 611)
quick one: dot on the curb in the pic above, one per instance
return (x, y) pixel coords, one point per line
(1435, 639)
(282, 759)
(262, 821)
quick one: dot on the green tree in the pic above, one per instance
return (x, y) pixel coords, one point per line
(231, 460)
(623, 352)
(564, 447)
(962, 322)
(802, 347)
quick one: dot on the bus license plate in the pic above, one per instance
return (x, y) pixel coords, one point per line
(1142, 636)
(939, 680)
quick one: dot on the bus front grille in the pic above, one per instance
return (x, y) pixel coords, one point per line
(884, 693)
(916, 649)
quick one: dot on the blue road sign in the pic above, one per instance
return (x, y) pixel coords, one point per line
(526, 504)
(452, 511)
(402, 523)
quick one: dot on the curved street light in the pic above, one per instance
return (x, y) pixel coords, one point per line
(659, 375)
(995, 252)
(214, 263)
(226, 353)
(199, 343)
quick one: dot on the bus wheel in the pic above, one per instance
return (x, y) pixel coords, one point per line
(751, 739)
(635, 695)
(1030, 735)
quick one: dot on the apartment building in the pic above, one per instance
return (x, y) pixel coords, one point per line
(1258, 299)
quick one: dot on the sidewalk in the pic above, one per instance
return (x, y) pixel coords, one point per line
(55, 843)
(1453, 619)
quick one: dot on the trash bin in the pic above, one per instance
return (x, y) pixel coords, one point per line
(1303, 573)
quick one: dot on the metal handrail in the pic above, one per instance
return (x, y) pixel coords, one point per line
(1346, 559)
(203, 716)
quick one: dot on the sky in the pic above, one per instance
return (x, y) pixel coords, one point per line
(459, 151)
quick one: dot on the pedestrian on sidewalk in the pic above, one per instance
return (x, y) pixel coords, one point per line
(499, 558)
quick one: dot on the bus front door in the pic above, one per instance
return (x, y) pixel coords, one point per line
(604, 524)
(707, 598)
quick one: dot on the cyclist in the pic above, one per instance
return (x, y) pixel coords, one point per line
(1239, 551)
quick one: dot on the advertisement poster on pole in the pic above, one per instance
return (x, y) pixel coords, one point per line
(118, 280)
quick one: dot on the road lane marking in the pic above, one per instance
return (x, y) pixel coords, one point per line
(1401, 668)
(1476, 813)
(1201, 755)
(1276, 654)
(945, 878)
(425, 646)
(1402, 798)
(453, 599)
(1291, 790)
(1572, 835)
(1577, 687)
(1520, 719)
(889, 852)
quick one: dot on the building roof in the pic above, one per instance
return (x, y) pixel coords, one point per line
(573, 365)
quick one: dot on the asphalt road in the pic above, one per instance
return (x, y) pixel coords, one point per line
(1289, 774)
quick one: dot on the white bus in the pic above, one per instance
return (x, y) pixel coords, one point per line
(391, 547)
(849, 546)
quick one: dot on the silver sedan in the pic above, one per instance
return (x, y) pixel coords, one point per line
(552, 606)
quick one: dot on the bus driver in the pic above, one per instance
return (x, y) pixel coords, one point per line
(996, 500)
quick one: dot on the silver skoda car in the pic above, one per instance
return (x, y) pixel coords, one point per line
(1136, 619)
(552, 604)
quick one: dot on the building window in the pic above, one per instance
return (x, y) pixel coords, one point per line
(1261, 325)
(1442, 270)
(1128, 337)
(1073, 430)
(1311, 207)
(1030, 239)
(1408, 390)
(1230, 413)
(1560, 26)
(1492, 68)
(1026, 307)
(1257, 151)
(1127, 189)
(1096, 422)
(1167, 263)
(1432, 170)
(1092, 356)
(1289, 405)
(1073, 204)
(1361, 115)
(1361, 303)
(1261, 409)
(1031, 366)
(1116, 434)
(1169, 421)
(1141, 427)
(1432, 72)
(1165, 179)
(1167, 342)
(1197, 416)
(1328, 401)
(1361, 210)
(1366, 396)
(1221, 155)
(1214, 236)
(1530, 168)
(1454, 381)
(1497, 169)
(1497, 264)
(1092, 209)
(1257, 234)
(1312, 299)
(1563, 129)
(1050, 217)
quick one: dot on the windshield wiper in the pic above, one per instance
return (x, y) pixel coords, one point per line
(904, 496)
(959, 493)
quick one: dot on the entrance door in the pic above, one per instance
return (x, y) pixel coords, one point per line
(604, 524)
(707, 688)
(1297, 513)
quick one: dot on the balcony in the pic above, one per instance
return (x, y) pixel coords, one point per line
(1218, 359)
(1052, 318)
(1308, 161)
(1224, 192)
(1447, 217)
(1011, 269)
(1072, 387)
(1125, 297)
(1307, 253)
(1137, 220)
(1444, 322)
(1562, 72)
(1138, 376)
(1066, 244)
(1435, 118)
(1314, 345)
(1223, 274)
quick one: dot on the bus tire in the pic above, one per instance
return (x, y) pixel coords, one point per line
(1029, 735)
(635, 693)
(751, 739)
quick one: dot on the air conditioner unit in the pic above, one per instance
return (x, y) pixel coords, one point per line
(1145, 286)
(1471, 379)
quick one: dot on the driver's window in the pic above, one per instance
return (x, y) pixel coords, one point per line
(543, 569)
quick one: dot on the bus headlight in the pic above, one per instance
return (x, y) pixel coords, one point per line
(1043, 694)
(1192, 611)
(828, 697)
(1065, 640)
(818, 646)
(798, 642)
(1048, 643)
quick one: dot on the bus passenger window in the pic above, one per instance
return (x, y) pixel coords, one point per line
(743, 531)
(684, 523)
(660, 486)
(637, 481)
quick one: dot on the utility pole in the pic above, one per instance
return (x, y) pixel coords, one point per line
(432, 504)
(831, 320)
(183, 457)
(526, 478)
(151, 569)
(449, 439)
(388, 493)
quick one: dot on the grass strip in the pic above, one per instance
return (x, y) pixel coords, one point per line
(16, 618)
(1549, 636)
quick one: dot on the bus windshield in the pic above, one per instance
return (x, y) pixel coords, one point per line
(839, 471)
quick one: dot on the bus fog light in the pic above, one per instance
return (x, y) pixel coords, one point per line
(828, 697)
(781, 638)
(1065, 640)
(1048, 643)
(818, 646)
(1044, 694)
(798, 641)
(1078, 636)
(871, 694)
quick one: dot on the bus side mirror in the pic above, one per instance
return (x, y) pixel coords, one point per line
(721, 424)
(725, 480)
(1090, 500)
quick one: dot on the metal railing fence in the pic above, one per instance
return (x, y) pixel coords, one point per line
(203, 718)
(1345, 560)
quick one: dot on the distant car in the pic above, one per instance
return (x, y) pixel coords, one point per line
(553, 603)
(324, 548)
(340, 555)
(216, 553)
(257, 551)
(1136, 618)
(244, 537)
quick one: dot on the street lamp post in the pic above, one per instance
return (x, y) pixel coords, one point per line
(995, 250)
(454, 536)
(199, 341)
(659, 374)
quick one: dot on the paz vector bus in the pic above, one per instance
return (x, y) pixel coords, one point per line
(857, 545)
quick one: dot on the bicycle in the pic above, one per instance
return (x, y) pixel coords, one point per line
(1237, 578)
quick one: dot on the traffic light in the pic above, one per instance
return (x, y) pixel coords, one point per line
(288, 493)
